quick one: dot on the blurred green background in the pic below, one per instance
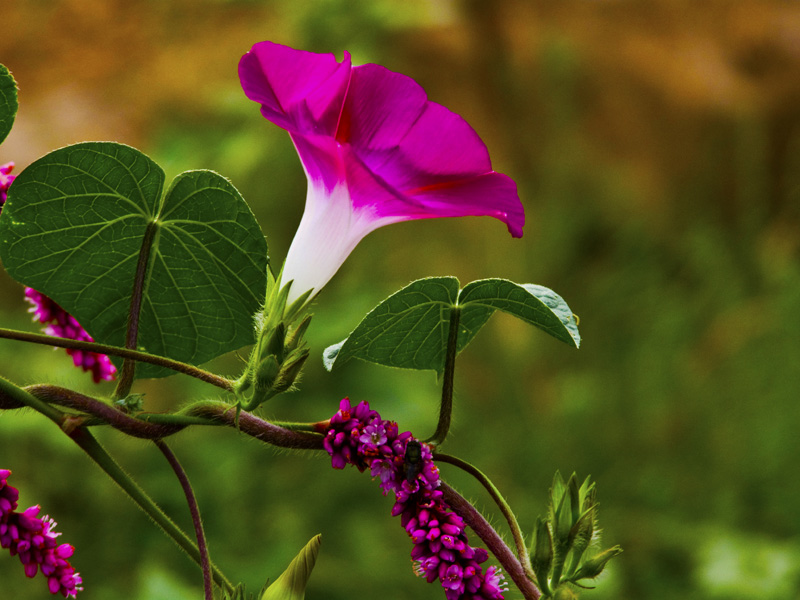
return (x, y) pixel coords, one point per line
(657, 150)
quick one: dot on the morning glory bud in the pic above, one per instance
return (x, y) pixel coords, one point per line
(594, 566)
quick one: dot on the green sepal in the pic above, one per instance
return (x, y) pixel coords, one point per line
(237, 593)
(542, 554)
(295, 336)
(266, 374)
(275, 342)
(290, 370)
(291, 585)
(584, 528)
(562, 504)
(280, 352)
(592, 567)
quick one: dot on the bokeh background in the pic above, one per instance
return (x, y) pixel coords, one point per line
(657, 150)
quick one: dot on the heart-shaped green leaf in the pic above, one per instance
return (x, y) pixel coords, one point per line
(73, 228)
(8, 101)
(410, 328)
(534, 304)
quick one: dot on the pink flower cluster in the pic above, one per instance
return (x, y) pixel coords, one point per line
(5, 181)
(33, 539)
(62, 324)
(358, 436)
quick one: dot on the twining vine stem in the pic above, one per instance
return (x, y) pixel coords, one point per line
(446, 406)
(205, 561)
(126, 374)
(516, 532)
(493, 541)
(12, 396)
(153, 359)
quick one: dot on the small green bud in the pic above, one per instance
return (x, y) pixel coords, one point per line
(274, 342)
(581, 535)
(290, 370)
(562, 524)
(564, 593)
(557, 491)
(542, 552)
(295, 308)
(266, 373)
(574, 498)
(131, 403)
(592, 567)
(291, 585)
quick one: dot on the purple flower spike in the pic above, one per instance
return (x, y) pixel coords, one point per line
(5, 181)
(64, 325)
(33, 539)
(375, 150)
(358, 436)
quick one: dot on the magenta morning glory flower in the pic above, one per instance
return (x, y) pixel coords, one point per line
(32, 538)
(375, 150)
(358, 436)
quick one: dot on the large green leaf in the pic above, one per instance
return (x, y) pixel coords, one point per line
(8, 101)
(410, 328)
(73, 229)
(535, 304)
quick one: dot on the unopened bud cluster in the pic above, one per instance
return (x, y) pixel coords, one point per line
(280, 351)
(560, 542)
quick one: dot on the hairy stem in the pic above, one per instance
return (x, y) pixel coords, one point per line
(12, 397)
(259, 428)
(102, 411)
(88, 444)
(446, 406)
(205, 561)
(162, 361)
(493, 542)
(516, 532)
(155, 426)
(126, 375)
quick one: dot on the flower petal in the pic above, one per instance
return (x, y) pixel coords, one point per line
(299, 91)
(380, 108)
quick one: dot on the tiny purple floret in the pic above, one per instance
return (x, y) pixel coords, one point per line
(5, 181)
(375, 151)
(358, 436)
(32, 538)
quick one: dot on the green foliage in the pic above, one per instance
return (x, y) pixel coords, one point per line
(78, 219)
(291, 585)
(8, 101)
(560, 542)
(410, 328)
(280, 350)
